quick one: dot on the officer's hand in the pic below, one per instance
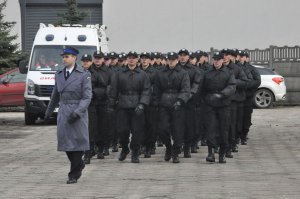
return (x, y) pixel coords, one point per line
(139, 109)
(218, 95)
(73, 118)
(177, 105)
(47, 119)
(109, 109)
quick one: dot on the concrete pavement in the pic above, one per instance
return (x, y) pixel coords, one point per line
(268, 167)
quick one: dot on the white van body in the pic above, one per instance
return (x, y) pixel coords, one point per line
(45, 60)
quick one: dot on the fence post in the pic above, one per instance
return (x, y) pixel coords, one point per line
(211, 54)
(271, 57)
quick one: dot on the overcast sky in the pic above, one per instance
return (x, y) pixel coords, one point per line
(165, 25)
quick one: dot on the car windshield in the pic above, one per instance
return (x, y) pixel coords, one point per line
(48, 58)
(266, 71)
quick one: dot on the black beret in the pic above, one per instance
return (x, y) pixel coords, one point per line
(183, 51)
(218, 56)
(86, 57)
(98, 53)
(132, 53)
(172, 55)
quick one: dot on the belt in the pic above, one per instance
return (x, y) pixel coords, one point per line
(171, 91)
(130, 93)
(69, 102)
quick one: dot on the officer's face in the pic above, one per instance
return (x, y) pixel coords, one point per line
(193, 61)
(69, 60)
(114, 62)
(243, 59)
(247, 59)
(183, 58)
(107, 62)
(218, 63)
(227, 58)
(158, 61)
(145, 61)
(202, 60)
(172, 63)
(98, 61)
(86, 64)
(132, 61)
(237, 58)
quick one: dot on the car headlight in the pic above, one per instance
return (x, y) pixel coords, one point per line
(30, 87)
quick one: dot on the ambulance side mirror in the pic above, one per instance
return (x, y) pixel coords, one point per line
(23, 66)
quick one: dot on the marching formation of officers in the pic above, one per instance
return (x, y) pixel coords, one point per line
(179, 100)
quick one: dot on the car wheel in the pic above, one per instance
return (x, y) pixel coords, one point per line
(29, 118)
(263, 98)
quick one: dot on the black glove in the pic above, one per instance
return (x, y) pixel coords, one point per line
(177, 105)
(47, 119)
(139, 109)
(73, 118)
(217, 95)
(109, 109)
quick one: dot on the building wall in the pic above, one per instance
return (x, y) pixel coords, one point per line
(34, 12)
(166, 25)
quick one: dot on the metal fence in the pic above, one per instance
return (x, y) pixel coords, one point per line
(272, 54)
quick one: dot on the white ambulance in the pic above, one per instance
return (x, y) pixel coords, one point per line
(45, 60)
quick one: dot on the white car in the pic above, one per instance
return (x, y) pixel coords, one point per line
(271, 89)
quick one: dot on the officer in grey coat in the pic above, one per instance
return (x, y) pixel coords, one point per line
(73, 93)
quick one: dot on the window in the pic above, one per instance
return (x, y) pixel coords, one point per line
(47, 58)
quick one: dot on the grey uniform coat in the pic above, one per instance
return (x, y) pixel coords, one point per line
(73, 95)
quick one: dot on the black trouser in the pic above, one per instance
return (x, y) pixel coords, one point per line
(171, 123)
(93, 125)
(77, 164)
(200, 124)
(239, 119)
(232, 125)
(113, 133)
(129, 122)
(102, 137)
(248, 109)
(217, 126)
(190, 125)
(151, 119)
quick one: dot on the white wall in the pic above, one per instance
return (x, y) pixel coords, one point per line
(165, 25)
(13, 13)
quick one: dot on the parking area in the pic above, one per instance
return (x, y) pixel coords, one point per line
(268, 167)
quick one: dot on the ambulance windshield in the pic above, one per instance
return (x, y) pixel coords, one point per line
(48, 58)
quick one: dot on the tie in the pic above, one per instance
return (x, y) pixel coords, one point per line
(67, 74)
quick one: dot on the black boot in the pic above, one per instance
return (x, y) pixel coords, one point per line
(216, 149)
(115, 148)
(100, 153)
(87, 157)
(175, 157)
(222, 155)
(147, 153)
(135, 156)
(92, 149)
(235, 148)
(168, 154)
(153, 151)
(159, 143)
(124, 153)
(228, 154)
(211, 155)
(203, 143)
(106, 151)
(194, 148)
(244, 141)
(187, 153)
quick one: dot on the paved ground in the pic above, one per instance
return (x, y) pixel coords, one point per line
(268, 167)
